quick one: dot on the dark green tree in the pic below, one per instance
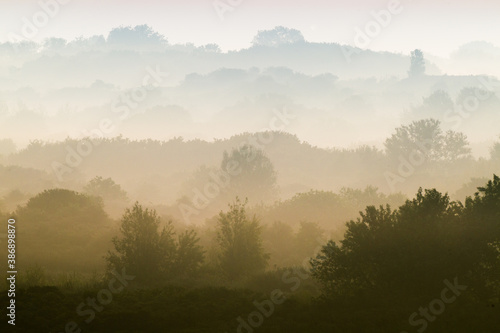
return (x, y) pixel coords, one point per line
(482, 237)
(406, 254)
(142, 249)
(374, 256)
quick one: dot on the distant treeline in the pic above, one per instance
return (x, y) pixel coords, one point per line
(171, 172)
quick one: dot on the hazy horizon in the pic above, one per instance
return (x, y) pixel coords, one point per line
(233, 27)
(250, 166)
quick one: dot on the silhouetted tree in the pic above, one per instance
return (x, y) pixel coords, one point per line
(482, 238)
(64, 208)
(64, 229)
(240, 244)
(151, 254)
(140, 36)
(438, 237)
(189, 254)
(142, 249)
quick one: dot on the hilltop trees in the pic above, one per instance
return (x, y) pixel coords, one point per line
(141, 36)
(277, 36)
(417, 64)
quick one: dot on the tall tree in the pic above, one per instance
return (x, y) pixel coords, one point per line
(417, 64)
(240, 244)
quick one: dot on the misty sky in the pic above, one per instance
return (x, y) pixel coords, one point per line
(437, 27)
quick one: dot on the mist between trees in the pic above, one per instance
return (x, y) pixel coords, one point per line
(256, 236)
(376, 209)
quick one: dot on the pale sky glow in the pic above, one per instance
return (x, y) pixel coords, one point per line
(437, 27)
